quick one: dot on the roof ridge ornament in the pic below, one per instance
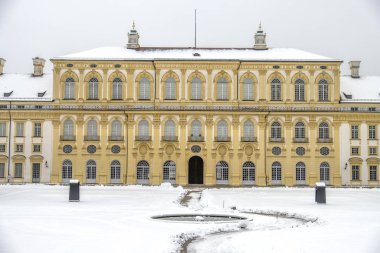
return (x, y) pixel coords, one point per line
(260, 39)
(133, 38)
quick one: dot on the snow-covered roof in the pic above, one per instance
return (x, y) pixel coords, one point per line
(365, 89)
(25, 87)
(243, 54)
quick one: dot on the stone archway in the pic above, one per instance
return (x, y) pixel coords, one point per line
(196, 170)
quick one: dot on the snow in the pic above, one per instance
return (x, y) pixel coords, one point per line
(320, 184)
(39, 218)
(244, 54)
(25, 87)
(363, 89)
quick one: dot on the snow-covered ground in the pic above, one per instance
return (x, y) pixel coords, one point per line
(39, 218)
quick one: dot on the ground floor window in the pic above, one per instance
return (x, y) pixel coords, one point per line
(248, 172)
(115, 171)
(36, 170)
(373, 172)
(18, 170)
(222, 172)
(324, 171)
(169, 171)
(355, 172)
(300, 172)
(276, 173)
(142, 172)
(2, 170)
(91, 171)
(67, 170)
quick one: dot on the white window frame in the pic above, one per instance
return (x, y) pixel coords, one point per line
(3, 129)
(19, 129)
(222, 89)
(323, 90)
(248, 89)
(249, 173)
(18, 170)
(93, 89)
(222, 172)
(69, 88)
(169, 172)
(299, 90)
(117, 89)
(37, 129)
(144, 89)
(170, 89)
(196, 88)
(275, 90)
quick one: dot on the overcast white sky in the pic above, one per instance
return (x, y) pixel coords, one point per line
(343, 29)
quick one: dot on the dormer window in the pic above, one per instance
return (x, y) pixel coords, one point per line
(8, 94)
(41, 94)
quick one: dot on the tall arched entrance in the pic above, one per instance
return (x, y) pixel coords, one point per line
(195, 170)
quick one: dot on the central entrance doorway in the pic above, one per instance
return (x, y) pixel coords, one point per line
(195, 170)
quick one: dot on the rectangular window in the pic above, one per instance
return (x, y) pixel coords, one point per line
(2, 147)
(355, 151)
(372, 109)
(36, 148)
(372, 132)
(373, 172)
(18, 170)
(37, 129)
(354, 132)
(36, 172)
(19, 148)
(355, 172)
(3, 129)
(2, 170)
(372, 150)
(354, 109)
(19, 129)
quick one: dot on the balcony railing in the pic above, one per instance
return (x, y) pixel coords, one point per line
(91, 137)
(116, 138)
(248, 139)
(67, 137)
(222, 138)
(324, 140)
(143, 138)
(276, 139)
(170, 138)
(300, 140)
(196, 138)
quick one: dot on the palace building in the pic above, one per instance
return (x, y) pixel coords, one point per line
(212, 116)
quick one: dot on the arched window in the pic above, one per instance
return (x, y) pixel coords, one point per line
(92, 129)
(276, 90)
(69, 88)
(222, 129)
(196, 89)
(169, 172)
(91, 171)
(299, 130)
(324, 172)
(93, 88)
(276, 130)
(323, 90)
(115, 171)
(248, 173)
(248, 130)
(68, 129)
(196, 130)
(299, 90)
(323, 130)
(142, 172)
(170, 88)
(144, 89)
(222, 87)
(222, 172)
(300, 172)
(117, 88)
(116, 129)
(67, 170)
(169, 128)
(276, 173)
(247, 89)
(143, 128)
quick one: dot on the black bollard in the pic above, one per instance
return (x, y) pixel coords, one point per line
(74, 190)
(320, 193)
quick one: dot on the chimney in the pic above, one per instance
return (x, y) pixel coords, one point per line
(354, 66)
(133, 38)
(260, 39)
(38, 64)
(2, 62)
